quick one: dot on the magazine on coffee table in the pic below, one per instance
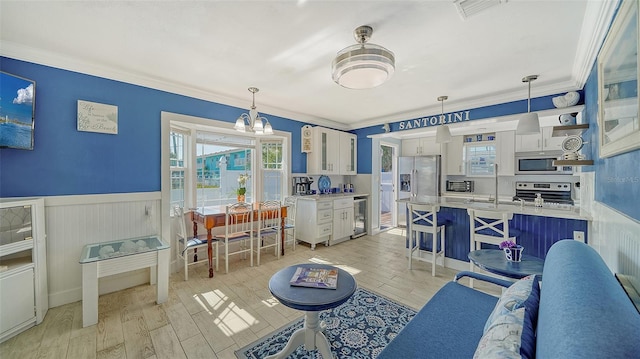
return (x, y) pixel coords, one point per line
(315, 278)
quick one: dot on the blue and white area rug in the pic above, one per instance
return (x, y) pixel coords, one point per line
(359, 328)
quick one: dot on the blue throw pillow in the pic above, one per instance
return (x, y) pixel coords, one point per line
(511, 325)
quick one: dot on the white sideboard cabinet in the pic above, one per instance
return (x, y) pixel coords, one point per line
(314, 221)
(23, 266)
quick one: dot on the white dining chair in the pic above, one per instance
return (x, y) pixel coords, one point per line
(188, 247)
(268, 224)
(290, 221)
(237, 230)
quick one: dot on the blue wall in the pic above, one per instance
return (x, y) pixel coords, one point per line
(617, 178)
(65, 161)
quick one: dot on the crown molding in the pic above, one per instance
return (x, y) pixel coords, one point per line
(52, 59)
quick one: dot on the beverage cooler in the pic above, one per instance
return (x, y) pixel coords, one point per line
(359, 217)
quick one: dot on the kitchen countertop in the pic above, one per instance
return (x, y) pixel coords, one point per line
(318, 197)
(482, 202)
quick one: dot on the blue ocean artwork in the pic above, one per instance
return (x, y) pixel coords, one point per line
(16, 111)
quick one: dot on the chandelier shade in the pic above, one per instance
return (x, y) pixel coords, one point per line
(363, 65)
(253, 121)
(529, 123)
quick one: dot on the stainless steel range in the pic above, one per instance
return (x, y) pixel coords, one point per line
(552, 192)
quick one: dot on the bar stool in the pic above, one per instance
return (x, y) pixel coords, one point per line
(491, 227)
(424, 219)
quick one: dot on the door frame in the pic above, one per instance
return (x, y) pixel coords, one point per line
(395, 148)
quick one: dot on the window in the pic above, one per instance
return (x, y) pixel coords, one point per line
(220, 160)
(206, 159)
(479, 159)
(272, 171)
(177, 166)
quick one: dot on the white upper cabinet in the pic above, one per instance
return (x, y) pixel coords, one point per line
(348, 156)
(542, 141)
(333, 152)
(454, 156)
(420, 147)
(505, 151)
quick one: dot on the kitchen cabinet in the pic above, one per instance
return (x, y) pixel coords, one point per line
(543, 141)
(455, 156)
(343, 224)
(505, 148)
(420, 147)
(23, 268)
(333, 152)
(348, 156)
(314, 221)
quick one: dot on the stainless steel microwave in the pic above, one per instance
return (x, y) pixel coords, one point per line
(528, 164)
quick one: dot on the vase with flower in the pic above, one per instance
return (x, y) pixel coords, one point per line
(242, 187)
(512, 251)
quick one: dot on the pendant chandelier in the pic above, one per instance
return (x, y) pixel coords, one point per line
(443, 135)
(529, 123)
(253, 121)
(363, 65)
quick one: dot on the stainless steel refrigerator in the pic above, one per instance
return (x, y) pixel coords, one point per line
(418, 177)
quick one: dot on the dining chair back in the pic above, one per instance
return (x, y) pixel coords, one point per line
(187, 245)
(424, 220)
(268, 223)
(238, 229)
(290, 221)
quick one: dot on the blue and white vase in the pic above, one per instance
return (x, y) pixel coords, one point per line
(514, 254)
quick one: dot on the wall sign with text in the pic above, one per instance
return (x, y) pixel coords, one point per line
(97, 117)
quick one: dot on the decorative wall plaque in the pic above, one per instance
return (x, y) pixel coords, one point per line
(97, 117)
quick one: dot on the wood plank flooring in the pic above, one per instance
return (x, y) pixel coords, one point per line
(211, 318)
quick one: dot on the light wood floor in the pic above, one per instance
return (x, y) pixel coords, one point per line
(211, 318)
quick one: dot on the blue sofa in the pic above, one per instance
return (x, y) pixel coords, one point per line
(583, 312)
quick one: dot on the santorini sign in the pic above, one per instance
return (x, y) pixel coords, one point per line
(445, 119)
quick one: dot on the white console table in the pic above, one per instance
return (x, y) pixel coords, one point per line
(108, 258)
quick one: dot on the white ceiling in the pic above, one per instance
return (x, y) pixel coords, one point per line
(215, 50)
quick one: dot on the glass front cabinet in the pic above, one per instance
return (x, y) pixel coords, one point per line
(23, 266)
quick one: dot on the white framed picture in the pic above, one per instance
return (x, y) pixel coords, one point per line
(618, 123)
(97, 117)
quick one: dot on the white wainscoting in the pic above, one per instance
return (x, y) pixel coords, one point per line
(613, 234)
(73, 221)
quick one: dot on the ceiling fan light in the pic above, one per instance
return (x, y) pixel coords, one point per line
(443, 134)
(528, 124)
(363, 65)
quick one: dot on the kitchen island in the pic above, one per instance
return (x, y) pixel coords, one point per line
(539, 227)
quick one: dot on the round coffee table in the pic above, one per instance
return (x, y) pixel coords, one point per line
(311, 301)
(494, 261)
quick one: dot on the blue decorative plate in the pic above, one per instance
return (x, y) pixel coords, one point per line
(324, 183)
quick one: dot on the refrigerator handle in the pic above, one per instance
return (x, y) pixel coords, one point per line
(414, 183)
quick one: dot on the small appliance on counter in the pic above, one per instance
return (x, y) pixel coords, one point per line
(459, 186)
(302, 186)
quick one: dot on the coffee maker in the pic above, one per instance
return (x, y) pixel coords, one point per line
(302, 186)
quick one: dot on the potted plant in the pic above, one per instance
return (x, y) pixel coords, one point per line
(242, 187)
(512, 250)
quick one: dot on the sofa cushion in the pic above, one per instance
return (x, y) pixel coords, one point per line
(448, 326)
(502, 339)
(511, 325)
